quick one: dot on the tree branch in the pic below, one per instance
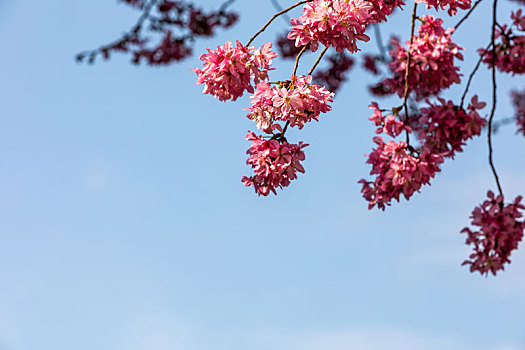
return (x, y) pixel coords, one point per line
(318, 60)
(494, 88)
(468, 14)
(274, 17)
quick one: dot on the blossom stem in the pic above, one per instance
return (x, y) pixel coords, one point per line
(409, 59)
(318, 60)
(468, 14)
(274, 17)
(296, 65)
(494, 94)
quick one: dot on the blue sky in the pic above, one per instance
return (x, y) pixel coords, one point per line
(125, 225)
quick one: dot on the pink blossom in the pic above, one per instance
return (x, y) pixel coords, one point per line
(444, 128)
(432, 66)
(499, 233)
(228, 71)
(452, 4)
(510, 47)
(389, 124)
(297, 101)
(397, 172)
(275, 163)
(337, 23)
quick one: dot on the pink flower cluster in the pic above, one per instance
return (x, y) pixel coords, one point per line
(298, 102)
(499, 233)
(452, 4)
(389, 124)
(337, 23)
(397, 172)
(432, 66)
(518, 100)
(510, 50)
(228, 71)
(275, 163)
(443, 128)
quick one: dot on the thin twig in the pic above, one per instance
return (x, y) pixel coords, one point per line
(492, 112)
(131, 34)
(472, 75)
(468, 14)
(297, 60)
(409, 58)
(318, 60)
(274, 17)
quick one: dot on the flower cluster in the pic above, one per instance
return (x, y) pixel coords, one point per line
(381, 9)
(399, 168)
(443, 128)
(510, 48)
(275, 163)
(389, 124)
(297, 101)
(432, 66)
(229, 70)
(453, 5)
(337, 23)
(518, 100)
(499, 233)
(397, 172)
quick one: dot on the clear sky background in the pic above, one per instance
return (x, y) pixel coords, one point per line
(125, 226)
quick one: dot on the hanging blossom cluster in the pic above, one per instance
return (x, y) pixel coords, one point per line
(397, 172)
(420, 71)
(518, 100)
(229, 70)
(399, 168)
(338, 23)
(444, 127)
(510, 47)
(499, 232)
(297, 101)
(432, 67)
(275, 163)
(452, 5)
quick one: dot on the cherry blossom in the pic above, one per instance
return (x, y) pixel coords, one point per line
(389, 124)
(297, 101)
(510, 47)
(432, 67)
(228, 71)
(498, 234)
(275, 163)
(444, 128)
(397, 172)
(453, 5)
(336, 23)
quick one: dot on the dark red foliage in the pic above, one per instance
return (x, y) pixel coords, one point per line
(176, 24)
(370, 64)
(333, 76)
